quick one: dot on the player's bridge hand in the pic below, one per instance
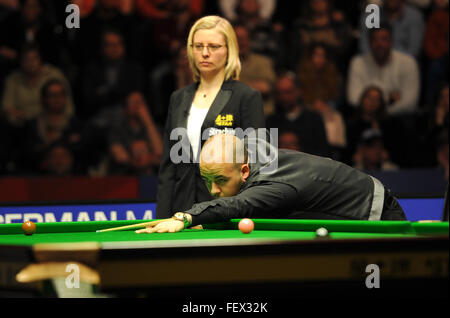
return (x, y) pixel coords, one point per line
(169, 226)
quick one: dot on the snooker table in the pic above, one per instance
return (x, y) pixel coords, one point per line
(279, 258)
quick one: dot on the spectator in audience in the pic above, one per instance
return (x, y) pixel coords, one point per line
(321, 23)
(396, 73)
(166, 78)
(265, 87)
(86, 7)
(352, 12)
(126, 7)
(9, 4)
(286, 13)
(371, 153)
(257, 70)
(436, 48)
(420, 4)
(370, 114)
(161, 9)
(107, 82)
(334, 127)
(319, 77)
(407, 25)
(22, 99)
(58, 160)
(266, 8)
(54, 124)
(165, 28)
(28, 25)
(433, 121)
(135, 144)
(295, 117)
(289, 140)
(439, 118)
(264, 36)
(8, 56)
(105, 16)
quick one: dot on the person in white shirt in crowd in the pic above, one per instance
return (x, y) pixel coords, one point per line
(408, 27)
(396, 73)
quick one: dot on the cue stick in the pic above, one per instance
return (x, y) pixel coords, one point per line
(134, 226)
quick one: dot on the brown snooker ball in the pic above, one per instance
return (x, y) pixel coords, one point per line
(28, 228)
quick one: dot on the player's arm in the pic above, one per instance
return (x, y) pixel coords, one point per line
(254, 202)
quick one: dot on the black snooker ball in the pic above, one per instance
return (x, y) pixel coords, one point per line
(322, 233)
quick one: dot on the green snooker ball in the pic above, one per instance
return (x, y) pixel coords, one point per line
(28, 228)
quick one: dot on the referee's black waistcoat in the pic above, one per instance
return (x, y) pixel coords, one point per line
(179, 183)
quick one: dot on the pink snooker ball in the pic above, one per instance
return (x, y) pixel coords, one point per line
(246, 226)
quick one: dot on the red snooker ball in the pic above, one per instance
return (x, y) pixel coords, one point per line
(28, 227)
(246, 226)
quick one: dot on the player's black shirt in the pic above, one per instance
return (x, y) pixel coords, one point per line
(300, 183)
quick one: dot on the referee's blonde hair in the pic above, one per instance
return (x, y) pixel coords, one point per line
(233, 65)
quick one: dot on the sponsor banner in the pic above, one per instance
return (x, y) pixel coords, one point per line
(415, 209)
(77, 213)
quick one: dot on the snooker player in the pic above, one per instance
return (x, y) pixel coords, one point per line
(302, 186)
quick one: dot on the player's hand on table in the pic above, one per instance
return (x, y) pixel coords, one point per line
(170, 226)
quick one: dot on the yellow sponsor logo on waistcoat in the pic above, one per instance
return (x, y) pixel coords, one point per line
(224, 120)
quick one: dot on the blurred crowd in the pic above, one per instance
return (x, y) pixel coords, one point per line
(93, 100)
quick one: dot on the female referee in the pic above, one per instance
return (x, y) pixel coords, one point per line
(215, 103)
